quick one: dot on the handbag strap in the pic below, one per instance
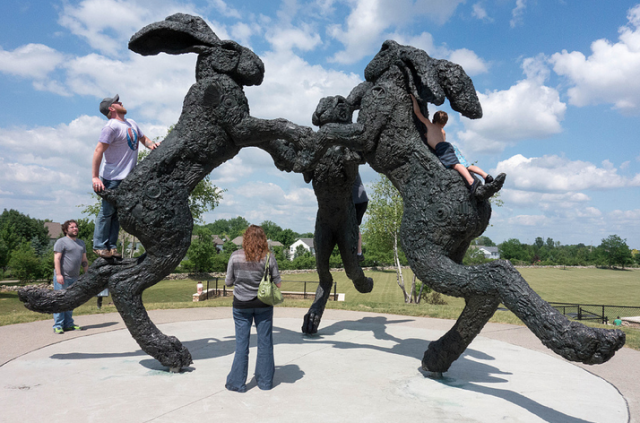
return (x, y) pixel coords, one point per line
(266, 266)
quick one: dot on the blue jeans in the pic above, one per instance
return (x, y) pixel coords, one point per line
(63, 320)
(265, 365)
(105, 234)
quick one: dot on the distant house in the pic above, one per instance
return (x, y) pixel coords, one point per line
(489, 252)
(218, 242)
(238, 241)
(306, 243)
(55, 231)
(274, 244)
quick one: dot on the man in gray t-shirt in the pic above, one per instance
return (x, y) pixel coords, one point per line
(69, 253)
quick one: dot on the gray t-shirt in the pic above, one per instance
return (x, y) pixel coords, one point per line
(71, 259)
(246, 275)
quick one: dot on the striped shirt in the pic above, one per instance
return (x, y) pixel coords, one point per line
(246, 275)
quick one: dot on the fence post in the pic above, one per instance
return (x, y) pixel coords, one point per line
(207, 289)
(335, 291)
(305, 290)
(603, 317)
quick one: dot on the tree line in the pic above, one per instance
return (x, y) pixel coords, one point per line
(26, 252)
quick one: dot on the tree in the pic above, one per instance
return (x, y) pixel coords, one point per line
(483, 240)
(17, 228)
(381, 231)
(25, 263)
(511, 249)
(201, 252)
(474, 256)
(271, 230)
(287, 237)
(614, 250)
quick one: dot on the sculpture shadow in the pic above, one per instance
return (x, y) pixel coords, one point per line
(99, 325)
(545, 413)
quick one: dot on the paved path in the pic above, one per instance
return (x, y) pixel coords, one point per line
(361, 367)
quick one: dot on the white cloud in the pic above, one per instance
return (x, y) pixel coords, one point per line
(30, 61)
(609, 74)
(528, 220)
(154, 85)
(242, 33)
(104, 24)
(287, 38)
(481, 13)
(363, 32)
(554, 173)
(544, 201)
(292, 87)
(527, 110)
(472, 64)
(225, 10)
(517, 12)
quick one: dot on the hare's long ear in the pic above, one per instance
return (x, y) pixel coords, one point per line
(459, 89)
(177, 34)
(432, 80)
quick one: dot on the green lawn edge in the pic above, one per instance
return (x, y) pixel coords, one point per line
(585, 286)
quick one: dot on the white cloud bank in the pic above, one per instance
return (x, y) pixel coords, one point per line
(527, 110)
(609, 74)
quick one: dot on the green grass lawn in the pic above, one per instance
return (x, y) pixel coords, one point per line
(585, 286)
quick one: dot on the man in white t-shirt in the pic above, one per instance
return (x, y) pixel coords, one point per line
(118, 144)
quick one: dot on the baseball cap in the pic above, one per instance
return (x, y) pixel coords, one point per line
(106, 103)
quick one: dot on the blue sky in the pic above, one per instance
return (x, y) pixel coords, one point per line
(558, 81)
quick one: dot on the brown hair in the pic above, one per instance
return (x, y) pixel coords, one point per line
(65, 225)
(254, 243)
(440, 117)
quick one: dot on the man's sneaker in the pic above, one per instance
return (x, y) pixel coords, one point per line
(104, 253)
(488, 179)
(360, 257)
(74, 327)
(115, 253)
(58, 330)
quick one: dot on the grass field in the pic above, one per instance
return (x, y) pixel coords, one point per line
(584, 286)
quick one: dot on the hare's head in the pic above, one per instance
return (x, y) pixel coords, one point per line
(333, 109)
(428, 79)
(181, 33)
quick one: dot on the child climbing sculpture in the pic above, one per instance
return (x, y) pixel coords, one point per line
(448, 153)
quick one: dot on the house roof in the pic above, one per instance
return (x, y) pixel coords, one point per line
(54, 228)
(237, 240)
(217, 240)
(307, 241)
(488, 249)
(274, 243)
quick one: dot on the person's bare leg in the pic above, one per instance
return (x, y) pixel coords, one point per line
(465, 173)
(477, 170)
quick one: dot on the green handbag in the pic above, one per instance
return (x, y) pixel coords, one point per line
(268, 292)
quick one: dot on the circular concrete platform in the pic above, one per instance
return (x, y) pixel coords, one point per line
(364, 370)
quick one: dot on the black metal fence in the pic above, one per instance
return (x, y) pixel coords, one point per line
(595, 312)
(217, 288)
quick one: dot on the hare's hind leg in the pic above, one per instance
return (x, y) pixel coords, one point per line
(127, 297)
(442, 353)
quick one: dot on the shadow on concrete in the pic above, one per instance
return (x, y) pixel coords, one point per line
(545, 413)
(474, 372)
(99, 326)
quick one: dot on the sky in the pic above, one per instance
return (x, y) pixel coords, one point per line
(558, 80)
